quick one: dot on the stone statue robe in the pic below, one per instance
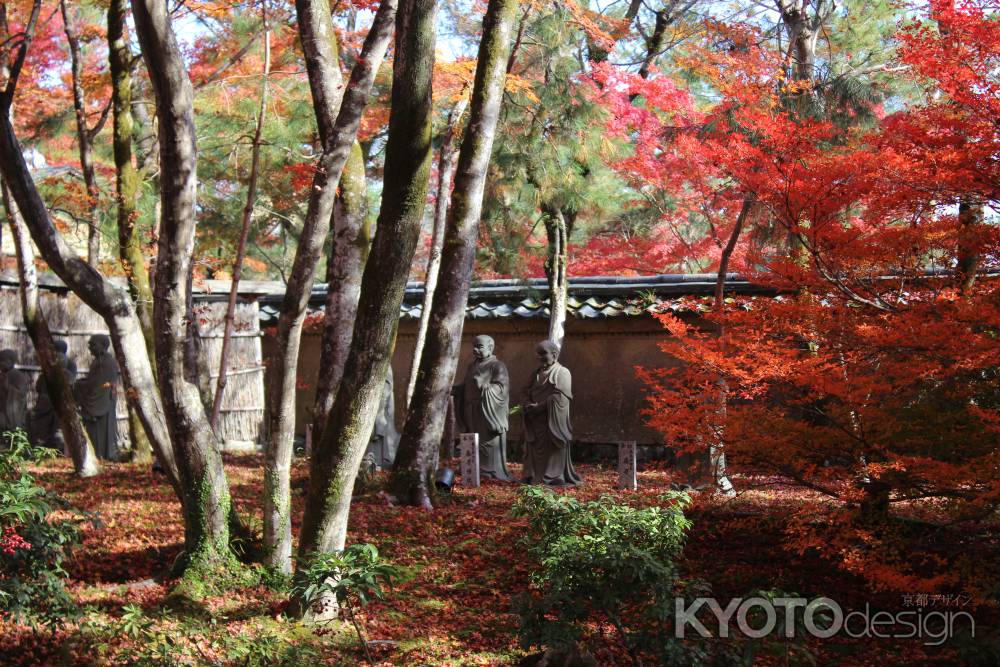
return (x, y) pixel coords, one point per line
(97, 397)
(385, 438)
(547, 430)
(43, 423)
(13, 400)
(483, 406)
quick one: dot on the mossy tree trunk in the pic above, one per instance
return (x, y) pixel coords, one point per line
(338, 114)
(127, 183)
(207, 504)
(426, 416)
(557, 229)
(338, 454)
(351, 243)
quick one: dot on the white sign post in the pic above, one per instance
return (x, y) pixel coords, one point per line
(469, 453)
(626, 466)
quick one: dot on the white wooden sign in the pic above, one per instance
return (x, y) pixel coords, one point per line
(626, 466)
(469, 453)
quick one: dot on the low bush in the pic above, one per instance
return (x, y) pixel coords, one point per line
(33, 545)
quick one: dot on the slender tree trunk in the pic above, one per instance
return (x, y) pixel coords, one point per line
(127, 182)
(60, 391)
(83, 137)
(207, 504)
(716, 453)
(111, 302)
(338, 454)
(446, 171)
(241, 247)
(425, 420)
(337, 130)
(970, 220)
(352, 236)
(555, 271)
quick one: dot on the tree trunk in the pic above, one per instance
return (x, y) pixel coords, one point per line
(111, 302)
(60, 391)
(555, 271)
(127, 182)
(84, 137)
(425, 420)
(337, 130)
(339, 451)
(241, 247)
(970, 220)
(352, 236)
(207, 504)
(446, 171)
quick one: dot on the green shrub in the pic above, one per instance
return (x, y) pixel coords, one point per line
(353, 576)
(33, 546)
(601, 562)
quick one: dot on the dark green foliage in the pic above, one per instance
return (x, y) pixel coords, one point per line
(33, 546)
(601, 561)
(355, 574)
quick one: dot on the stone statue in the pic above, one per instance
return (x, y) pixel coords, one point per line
(43, 422)
(481, 403)
(382, 447)
(547, 431)
(13, 393)
(97, 397)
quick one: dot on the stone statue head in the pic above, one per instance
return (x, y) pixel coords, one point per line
(98, 344)
(547, 352)
(482, 347)
(8, 358)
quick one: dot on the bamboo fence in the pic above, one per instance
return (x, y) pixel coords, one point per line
(242, 415)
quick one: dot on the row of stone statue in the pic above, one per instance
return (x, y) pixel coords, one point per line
(95, 393)
(482, 406)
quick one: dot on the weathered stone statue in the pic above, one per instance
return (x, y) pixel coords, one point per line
(43, 422)
(385, 438)
(13, 393)
(482, 406)
(547, 430)
(97, 395)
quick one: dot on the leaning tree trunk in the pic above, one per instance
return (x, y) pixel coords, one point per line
(352, 236)
(426, 417)
(84, 137)
(60, 391)
(446, 172)
(207, 506)
(555, 271)
(111, 302)
(338, 454)
(337, 130)
(127, 182)
(241, 246)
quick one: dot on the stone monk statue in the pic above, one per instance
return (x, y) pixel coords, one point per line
(382, 447)
(13, 393)
(43, 423)
(547, 430)
(97, 397)
(481, 403)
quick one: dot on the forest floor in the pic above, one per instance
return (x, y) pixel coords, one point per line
(462, 566)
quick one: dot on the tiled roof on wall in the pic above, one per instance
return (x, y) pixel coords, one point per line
(594, 297)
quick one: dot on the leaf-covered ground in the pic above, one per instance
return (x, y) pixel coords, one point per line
(462, 564)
